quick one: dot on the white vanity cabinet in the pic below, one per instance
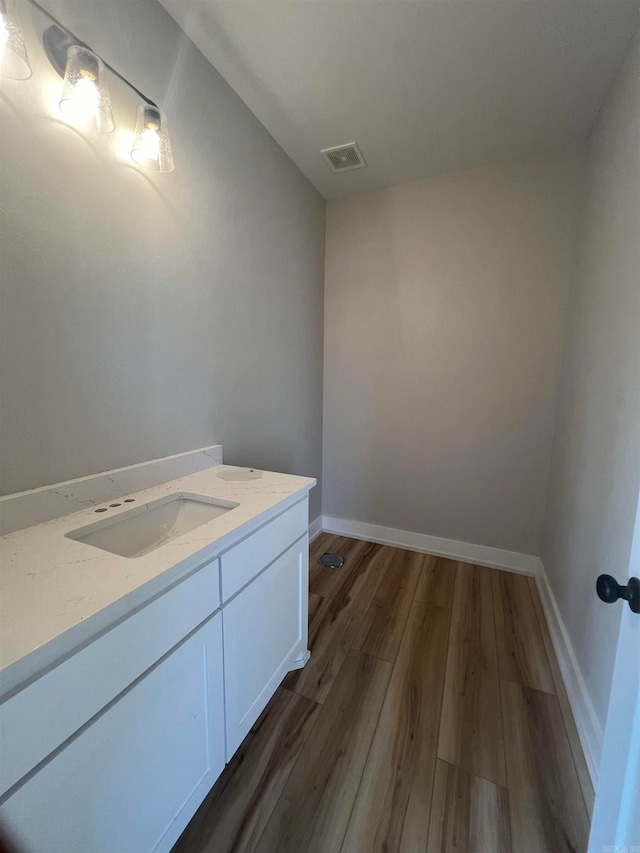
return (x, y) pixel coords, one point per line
(265, 636)
(132, 779)
(265, 593)
(113, 749)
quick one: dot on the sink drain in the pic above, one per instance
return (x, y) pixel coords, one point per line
(332, 561)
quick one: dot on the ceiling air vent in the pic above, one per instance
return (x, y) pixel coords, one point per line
(343, 158)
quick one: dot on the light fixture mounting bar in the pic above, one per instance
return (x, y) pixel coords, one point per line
(57, 39)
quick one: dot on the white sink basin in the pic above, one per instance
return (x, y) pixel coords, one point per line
(143, 529)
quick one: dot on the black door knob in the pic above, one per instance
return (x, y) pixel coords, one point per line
(609, 590)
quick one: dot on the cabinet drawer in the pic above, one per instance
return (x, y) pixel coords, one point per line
(244, 561)
(42, 716)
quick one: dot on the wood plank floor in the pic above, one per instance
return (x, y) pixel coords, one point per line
(431, 717)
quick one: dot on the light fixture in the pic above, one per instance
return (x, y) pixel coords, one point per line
(151, 146)
(14, 61)
(85, 96)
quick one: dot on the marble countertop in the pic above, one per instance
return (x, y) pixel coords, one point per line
(57, 593)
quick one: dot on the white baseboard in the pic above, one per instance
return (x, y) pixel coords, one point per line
(482, 555)
(589, 729)
(315, 528)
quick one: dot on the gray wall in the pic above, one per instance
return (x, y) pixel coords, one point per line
(444, 309)
(596, 457)
(146, 315)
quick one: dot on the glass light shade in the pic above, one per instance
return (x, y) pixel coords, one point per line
(151, 146)
(85, 97)
(14, 61)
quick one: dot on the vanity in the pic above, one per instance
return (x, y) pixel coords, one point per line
(114, 729)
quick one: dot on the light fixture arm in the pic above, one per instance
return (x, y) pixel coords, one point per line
(57, 39)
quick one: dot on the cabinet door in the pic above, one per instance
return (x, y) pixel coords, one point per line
(265, 635)
(132, 779)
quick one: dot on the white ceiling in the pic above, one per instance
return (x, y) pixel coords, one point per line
(424, 86)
